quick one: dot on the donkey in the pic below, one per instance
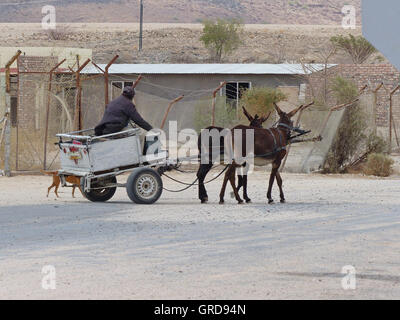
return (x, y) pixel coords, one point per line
(269, 147)
(204, 169)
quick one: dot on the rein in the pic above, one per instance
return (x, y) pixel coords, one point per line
(276, 125)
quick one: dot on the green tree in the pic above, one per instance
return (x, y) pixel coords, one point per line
(222, 37)
(358, 47)
(260, 100)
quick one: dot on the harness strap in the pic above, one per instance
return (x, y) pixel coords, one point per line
(273, 136)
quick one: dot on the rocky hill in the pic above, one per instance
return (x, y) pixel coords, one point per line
(310, 12)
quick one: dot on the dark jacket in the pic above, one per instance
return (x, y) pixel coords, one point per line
(117, 116)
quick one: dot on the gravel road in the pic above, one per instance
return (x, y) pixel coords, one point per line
(180, 249)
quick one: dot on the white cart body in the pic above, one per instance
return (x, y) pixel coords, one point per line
(83, 155)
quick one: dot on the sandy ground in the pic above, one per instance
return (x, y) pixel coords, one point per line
(27, 28)
(179, 249)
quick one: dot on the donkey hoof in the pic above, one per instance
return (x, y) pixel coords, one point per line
(270, 201)
(240, 202)
(283, 201)
(205, 200)
(248, 200)
(221, 202)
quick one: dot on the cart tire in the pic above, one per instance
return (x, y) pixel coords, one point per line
(101, 195)
(144, 186)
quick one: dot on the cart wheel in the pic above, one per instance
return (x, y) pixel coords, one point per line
(144, 186)
(101, 195)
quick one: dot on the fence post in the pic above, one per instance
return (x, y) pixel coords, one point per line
(391, 122)
(7, 124)
(375, 92)
(48, 112)
(215, 101)
(106, 80)
(78, 110)
(169, 109)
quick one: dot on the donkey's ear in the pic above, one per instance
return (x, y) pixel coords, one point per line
(280, 112)
(263, 119)
(248, 116)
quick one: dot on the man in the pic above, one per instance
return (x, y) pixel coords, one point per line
(119, 112)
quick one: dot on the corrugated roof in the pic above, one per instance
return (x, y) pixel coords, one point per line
(283, 69)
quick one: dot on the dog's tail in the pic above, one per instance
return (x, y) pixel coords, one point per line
(49, 173)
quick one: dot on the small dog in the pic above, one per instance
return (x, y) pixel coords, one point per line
(75, 181)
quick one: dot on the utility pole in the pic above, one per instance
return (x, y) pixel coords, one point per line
(141, 26)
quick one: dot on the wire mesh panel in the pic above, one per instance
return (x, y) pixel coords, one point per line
(308, 157)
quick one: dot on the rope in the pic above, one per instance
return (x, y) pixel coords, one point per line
(194, 182)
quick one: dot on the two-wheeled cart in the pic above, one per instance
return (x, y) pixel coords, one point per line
(100, 160)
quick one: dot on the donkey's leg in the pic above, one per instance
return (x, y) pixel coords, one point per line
(275, 167)
(239, 172)
(228, 173)
(240, 182)
(279, 180)
(201, 175)
(246, 171)
(233, 184)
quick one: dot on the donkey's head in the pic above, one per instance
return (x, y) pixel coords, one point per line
(286, 118)
(255, 121)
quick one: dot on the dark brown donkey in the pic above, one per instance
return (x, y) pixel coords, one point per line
(204, 169)
(269, 147)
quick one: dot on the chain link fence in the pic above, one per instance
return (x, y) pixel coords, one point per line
(33, 135)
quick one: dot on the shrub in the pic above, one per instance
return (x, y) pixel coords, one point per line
(350, 134)
(376, 144)
(259, 100)
(379, 165)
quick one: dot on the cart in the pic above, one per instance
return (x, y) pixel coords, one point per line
(99, 160)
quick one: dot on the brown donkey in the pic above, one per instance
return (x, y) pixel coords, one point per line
(206, 166)
(269, 147)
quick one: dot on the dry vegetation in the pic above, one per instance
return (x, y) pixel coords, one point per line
(164, 43)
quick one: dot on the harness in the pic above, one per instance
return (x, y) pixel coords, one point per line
(277, 149)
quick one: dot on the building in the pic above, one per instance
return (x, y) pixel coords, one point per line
(36, 61)
(164, 82)
(381, 80)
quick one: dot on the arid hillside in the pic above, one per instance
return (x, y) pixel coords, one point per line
(310, 12)
(179, 43)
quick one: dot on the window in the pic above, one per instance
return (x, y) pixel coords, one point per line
(117, 86)
(234, 91)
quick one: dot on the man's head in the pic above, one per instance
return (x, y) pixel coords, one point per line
(129, 92)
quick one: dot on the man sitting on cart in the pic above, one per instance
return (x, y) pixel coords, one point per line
(118, 114)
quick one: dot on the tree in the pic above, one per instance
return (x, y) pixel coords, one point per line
(259, 100)
(222, 37)
(358, 47)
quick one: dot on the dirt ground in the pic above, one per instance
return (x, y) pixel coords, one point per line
(180, 249)
(180, 43)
